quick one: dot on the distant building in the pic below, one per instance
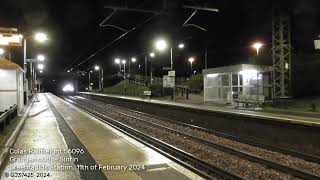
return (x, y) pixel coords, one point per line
(226, 84)
(11, 85)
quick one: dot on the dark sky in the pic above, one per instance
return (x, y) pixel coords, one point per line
(74, 32)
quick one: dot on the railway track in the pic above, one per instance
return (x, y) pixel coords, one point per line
(307, 157)
(188, 160)
(145, 118)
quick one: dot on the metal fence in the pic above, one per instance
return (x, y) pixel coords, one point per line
(158, 80)
(7, 116)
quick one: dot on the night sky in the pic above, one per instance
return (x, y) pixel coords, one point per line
(74, 32)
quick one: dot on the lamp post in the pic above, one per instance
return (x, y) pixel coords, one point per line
(97, 68)
(117, 61)
(39, 37)
(191, 59)
(124, 66)
(133, 60)
(257, 46)
(152, 55)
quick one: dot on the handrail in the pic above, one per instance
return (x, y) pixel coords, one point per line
(7, 116)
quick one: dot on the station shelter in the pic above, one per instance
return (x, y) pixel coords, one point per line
(227, 84)
(11, 85)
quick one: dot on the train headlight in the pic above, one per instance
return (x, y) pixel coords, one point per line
(68, 88)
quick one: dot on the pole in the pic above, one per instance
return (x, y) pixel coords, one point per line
(191, 67)
(150, 72)
(129, 68)
(171, 60)
(146, 68)
(205, 58)
(25, 82)
(99, 81)
(124, 70)
(89, 81)
(102, 79)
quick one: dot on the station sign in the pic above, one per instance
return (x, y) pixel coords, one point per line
(172, 73)
(168, 81)
(9, 39)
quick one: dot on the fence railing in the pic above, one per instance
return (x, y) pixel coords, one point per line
(7, 116)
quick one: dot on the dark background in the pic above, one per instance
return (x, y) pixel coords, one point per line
(74, 32)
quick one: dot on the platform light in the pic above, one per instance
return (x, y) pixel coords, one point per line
(123, 61)
(191, 59)
(68, 71)
(152, 54)
(68, 88)
(40, 66)
(257, 46)
(41, 71)
(40, 37)
(161, 44)
(181, 46)
(1, 51)
(91, 84)
(41, 57)
(250, 73)
(212, 75)
(133, 59)
(97, 68)
(117, 61)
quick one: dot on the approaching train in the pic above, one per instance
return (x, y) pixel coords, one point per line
(68, 89)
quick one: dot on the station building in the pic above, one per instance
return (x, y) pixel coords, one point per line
(11, 85)
(228, 84)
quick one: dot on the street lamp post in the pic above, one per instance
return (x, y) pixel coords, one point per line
(124, 67)
(39, 37)
(97, 68)
(152, 55)
(133, 60)
(191, 59)
(257, 46)
(117, 61)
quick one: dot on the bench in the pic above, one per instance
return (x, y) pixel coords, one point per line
(246, 100)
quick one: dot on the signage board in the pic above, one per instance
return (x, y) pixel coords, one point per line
(172, 73)
(8, 39)
(166, 68)
(147, 93)
(168, 81)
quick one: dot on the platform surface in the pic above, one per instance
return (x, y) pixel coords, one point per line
(304, 120)
(111, 147)
(46, 128)
(40, 132)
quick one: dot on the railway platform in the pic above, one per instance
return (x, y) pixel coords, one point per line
(280, 117)
(60, 141)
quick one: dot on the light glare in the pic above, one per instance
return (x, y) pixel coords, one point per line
(40, 66)
(68, 88)
(257, 46)
(117, 61)
(40, 37)
(41, 57)
(161, 45)
(152, 54)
